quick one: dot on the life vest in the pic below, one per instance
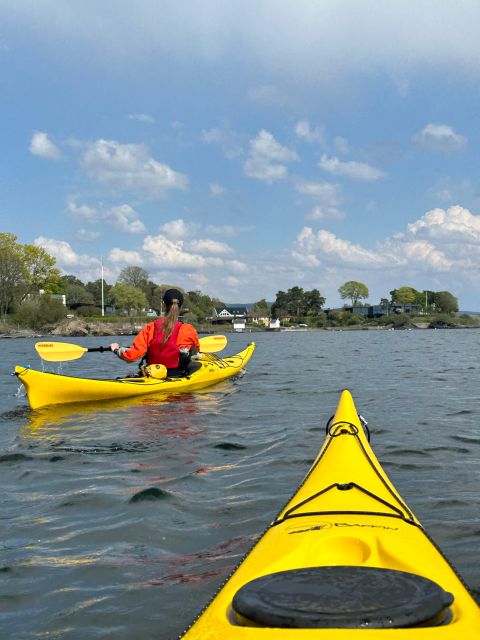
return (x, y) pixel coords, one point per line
(169, 353)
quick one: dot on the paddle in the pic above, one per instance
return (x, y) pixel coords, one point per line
(62, 351)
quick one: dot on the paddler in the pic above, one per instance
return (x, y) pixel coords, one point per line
(165, 341)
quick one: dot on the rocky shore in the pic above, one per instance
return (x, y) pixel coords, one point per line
(74, 328)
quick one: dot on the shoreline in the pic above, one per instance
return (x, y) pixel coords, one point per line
(78, 329)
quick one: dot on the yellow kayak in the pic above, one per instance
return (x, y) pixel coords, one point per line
(345, 559)
(51, 388)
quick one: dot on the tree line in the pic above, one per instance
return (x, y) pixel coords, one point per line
(26, 270)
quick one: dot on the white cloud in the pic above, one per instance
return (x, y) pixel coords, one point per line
(164, 252)
(229, 141)
(310, 247)
(326, 196)
(456, 226)
(42, 146)
(86, 236)
(266, 157)
(122, 217)
(216, 189)
(83, 212)
(354, 170)
(237, 266)
(178, 229)
(141, 117)
(440, 242)
(129, 167)
(305, 132)
(440, 138)
(120, 256)
(213, 247)
(67, 260)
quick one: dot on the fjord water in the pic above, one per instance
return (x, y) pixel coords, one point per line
(121, 520)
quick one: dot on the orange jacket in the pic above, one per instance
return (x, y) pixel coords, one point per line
(186, 339)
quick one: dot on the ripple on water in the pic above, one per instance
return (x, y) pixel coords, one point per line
(83, 558)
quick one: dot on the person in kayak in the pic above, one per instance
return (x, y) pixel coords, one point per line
(165, 341)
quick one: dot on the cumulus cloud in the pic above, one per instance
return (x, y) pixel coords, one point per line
(440, 138)
(122, 217)
(42, 146)
(129, 167)
(213, 247)
(312, 248)
(440, 242)
(164, 252)
(178, 229)
(120, 256)
(326, 197)
(455, 225)
(86, 267)
(305, 132)
(351, 169)
(267, 158)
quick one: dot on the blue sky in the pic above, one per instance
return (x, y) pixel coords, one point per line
(242, 148)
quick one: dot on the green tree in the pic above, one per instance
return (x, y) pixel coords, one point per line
(353, 291)
(313, 302)
(77, 294)
(134, 277)
(445, 302)
(13, 273)
(95, 288)
(404, 295)
(201, 306)
(24, 269)
(127, 298)
(39, 312)
(297, 303)
(262, 307)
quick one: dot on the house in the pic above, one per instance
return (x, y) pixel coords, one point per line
(228, 314)
(239, 324)
(256, 317)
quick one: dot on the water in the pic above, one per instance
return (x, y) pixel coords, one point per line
(120, 521)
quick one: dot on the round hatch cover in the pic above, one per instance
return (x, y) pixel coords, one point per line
(342, 597)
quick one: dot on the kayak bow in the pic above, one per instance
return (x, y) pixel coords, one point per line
(344, 559)
(51, 388)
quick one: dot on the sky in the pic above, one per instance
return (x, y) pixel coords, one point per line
(243, 148)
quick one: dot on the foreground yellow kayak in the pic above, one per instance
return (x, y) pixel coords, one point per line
(345, 559)
(51, 388)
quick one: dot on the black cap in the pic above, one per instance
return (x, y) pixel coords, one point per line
(173, 294)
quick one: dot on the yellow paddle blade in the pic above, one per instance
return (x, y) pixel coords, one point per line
(212, 344)
(59, 351)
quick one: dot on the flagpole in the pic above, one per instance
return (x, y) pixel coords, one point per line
(103, 306)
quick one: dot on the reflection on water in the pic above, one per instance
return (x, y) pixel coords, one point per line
(114, 513)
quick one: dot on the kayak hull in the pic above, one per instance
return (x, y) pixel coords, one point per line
(45, 388)
(346, 513)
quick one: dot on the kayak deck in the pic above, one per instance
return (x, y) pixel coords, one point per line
(44, 388)
(345, 535)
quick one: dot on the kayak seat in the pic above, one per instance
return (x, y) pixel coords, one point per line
(342, 597)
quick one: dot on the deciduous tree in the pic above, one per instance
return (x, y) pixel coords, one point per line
(354, 291)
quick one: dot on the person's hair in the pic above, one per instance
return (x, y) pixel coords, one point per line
(171, 317)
